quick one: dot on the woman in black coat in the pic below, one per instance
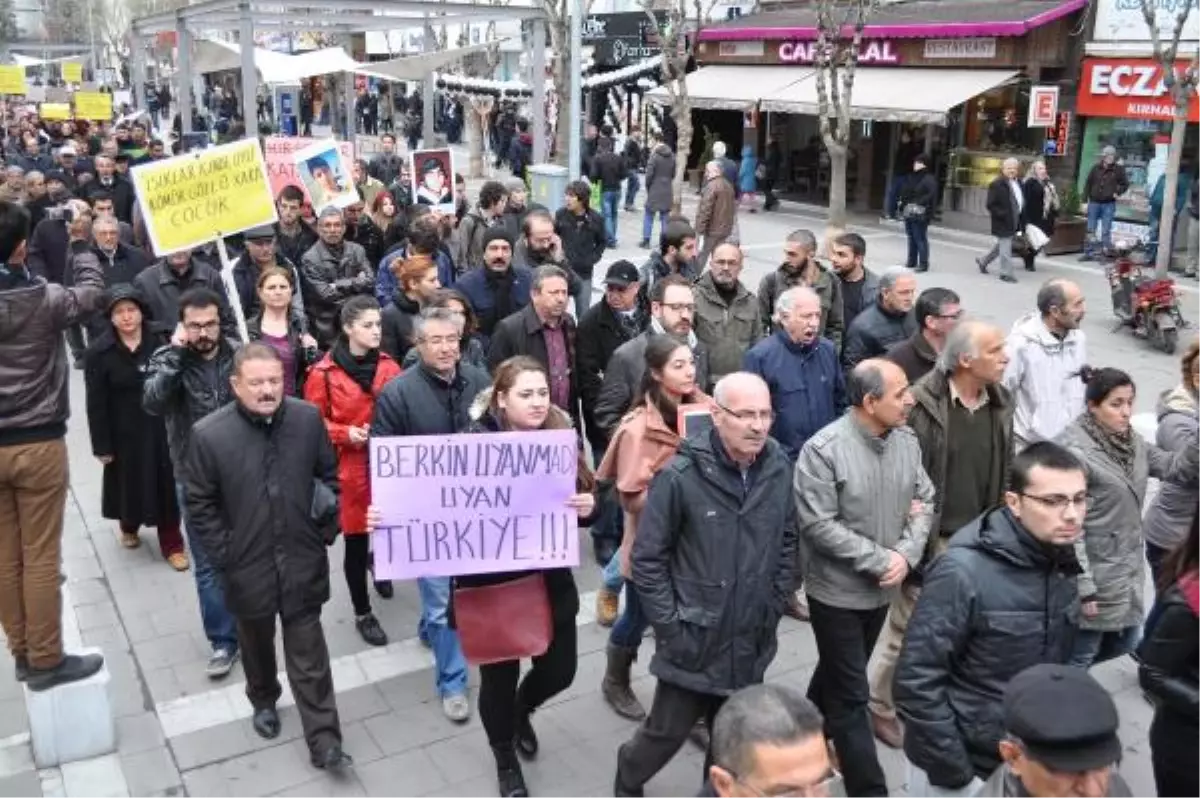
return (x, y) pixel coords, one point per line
(417, 282)
(917, 198)
(139, 484)
(1041, 205)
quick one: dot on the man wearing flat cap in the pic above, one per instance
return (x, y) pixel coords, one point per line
(261, 254)
(1060, 737)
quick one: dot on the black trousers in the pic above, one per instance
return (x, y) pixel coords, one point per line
(1173, 753)
(551, 673)
(306, 659)
(664, 731)
(839, 688)
(355, 562)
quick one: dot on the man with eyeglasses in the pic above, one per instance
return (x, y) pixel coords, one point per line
(864, 504)
(768, 740)
(962, 417)
(887, 322)
(996, 602)
(186, 380)
(1060, 737)
(937, 311)
(713, 565)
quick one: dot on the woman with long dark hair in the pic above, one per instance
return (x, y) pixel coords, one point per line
(642, 445)
(1167, 671)
(344, 386)
(519, 401)
(275, 326)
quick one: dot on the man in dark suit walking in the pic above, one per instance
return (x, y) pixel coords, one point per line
(1006, 204)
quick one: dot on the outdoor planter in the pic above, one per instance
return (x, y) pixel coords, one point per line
(1069, 236)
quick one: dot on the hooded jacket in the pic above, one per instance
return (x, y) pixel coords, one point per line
(34, 402)
(996, 602)
(1042, 376)
(1169, 517)
(713, 564)
(660, 173)
(829, 291)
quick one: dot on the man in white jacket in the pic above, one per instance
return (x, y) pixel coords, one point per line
(1046, 350)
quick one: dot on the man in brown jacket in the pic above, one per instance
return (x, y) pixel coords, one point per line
(33, 453)
(717, 214)
(962, 417)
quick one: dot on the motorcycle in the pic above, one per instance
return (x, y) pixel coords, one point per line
(1149, 305)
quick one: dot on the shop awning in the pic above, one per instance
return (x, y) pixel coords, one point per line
(893, 95)
(734, 88)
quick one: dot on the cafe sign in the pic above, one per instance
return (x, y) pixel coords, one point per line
(872, 51)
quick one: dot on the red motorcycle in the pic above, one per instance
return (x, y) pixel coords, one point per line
(1149, 305)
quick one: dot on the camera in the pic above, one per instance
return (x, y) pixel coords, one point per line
(62, 213)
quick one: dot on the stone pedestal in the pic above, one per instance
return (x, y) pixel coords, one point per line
(71, 722)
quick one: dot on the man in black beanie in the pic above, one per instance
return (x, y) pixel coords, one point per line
(499, 289)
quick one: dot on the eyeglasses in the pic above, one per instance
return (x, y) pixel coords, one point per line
(440, 340)
(681, 307)
(195, 327)
(830, 785)
(749, 415)
(1059, 503)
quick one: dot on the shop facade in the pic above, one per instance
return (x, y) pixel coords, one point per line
(946, 78)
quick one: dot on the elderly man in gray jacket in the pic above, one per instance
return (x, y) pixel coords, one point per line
(864, 504)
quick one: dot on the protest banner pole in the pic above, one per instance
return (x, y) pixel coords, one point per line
(235, 299)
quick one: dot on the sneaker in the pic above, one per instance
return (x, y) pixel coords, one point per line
(457, 708)
(607, 606)
(221, 662)
(72, 668)
(368, 626)
(178, 561)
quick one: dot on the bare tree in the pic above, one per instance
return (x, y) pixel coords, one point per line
(684, 18)
(8, 21)
(840, 26)
(477, 108)
(1181, 85)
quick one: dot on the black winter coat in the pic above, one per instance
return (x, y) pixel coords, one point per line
(995, 603)
(161, 286)
(249, 485)
(397, 321)
(1167, 658)
(293, 249)
(1035, 206)
(1002, 207)
(419, 402)
(139, 484)
(920, 188)
(522, 333)
(583, 239)
(120, 268)
(599, 334)
(713, 564)
(610, 169)
(180, 388)
(873, 332)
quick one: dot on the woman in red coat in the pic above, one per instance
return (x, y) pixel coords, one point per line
(344, 385)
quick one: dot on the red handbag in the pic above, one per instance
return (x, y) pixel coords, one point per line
(505, 621)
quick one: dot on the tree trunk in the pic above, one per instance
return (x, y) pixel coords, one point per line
(683, 148)
(560, 43)
(474, 130)
(837, 183)
(1166, 224)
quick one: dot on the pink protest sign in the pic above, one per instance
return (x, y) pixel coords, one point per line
(474, 504)
(281, 163)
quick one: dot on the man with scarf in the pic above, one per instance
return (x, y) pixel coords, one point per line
(499, 289)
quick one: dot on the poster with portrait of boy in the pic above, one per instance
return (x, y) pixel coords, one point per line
(433, 179)
(326, 174)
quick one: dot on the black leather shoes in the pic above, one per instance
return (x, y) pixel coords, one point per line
(334, 760)
(526, 738)
(72, 668)
(266, 723)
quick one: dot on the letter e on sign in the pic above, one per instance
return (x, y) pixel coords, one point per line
(1043, 106)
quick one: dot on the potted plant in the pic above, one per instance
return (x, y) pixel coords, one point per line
(1070, 228)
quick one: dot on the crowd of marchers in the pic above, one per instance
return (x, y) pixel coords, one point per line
(956, 509)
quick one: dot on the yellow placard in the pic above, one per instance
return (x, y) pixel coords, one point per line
(93, 105)
(192, 199)
(12, 80)
(54, 111)
(72, 72)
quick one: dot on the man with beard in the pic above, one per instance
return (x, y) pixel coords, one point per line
(540, 246)
(499, 289)
(676, 255)
(163, 285)
(262, 497)
(292, 236)
(333, 270)
(187, 380)
(860, 287)
(801, 267)
(672, 308)
(727, 320)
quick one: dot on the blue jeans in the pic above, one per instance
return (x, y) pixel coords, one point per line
(892, 195)
(1092, 647)
(447, 650)
(632, 184)
(917, 231)
(611, 575)
(220, 627)
(629, 629)
(648, 223)
(1101, 213)
(609, 200)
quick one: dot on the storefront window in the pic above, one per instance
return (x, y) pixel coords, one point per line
(995, 121)
(1142, 146)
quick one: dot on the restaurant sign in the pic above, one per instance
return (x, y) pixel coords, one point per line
(1128, 88)
(982, 48)
(872, 51)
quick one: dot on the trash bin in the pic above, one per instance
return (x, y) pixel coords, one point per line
(547, 185)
